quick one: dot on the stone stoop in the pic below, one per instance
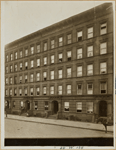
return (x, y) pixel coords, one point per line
(23, 114)
(52, 116)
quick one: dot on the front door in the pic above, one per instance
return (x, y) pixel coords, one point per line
(103, 108)
(7, 104)
(55, 107)
(28, 105)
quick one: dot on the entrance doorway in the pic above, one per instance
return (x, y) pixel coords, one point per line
(27, 105)
(103, 108)
(55, 107)
(7, 104)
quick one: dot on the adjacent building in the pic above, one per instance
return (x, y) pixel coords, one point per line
(65, 68)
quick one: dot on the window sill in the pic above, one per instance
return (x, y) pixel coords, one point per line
(103, 73)
(90, 75)
(79, 112)
(89, 38)
(103, 34)
(66, 111)
(103, 93)
(90, 113)
(79, 76)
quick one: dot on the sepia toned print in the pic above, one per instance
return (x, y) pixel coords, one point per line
(59, 80)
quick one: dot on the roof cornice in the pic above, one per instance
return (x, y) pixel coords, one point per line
(86, 15)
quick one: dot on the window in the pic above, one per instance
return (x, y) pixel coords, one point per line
(103, 88)
(21, 104)
(31, 91)
(20, 92)
(103, 29)
(89, 51)
(20, 79)
(37, 91)
(38, 76)
(79, 106)
(38, 62)
(13, 104)
(60, 57)
(11, 69)
(69, 55)
(79, 36)
(11, 56)
(68, 38)
(26, 65)
(52, 44)
(36, 105)
(38, 48)
(89, 107)
(103, 48)
(44, 90)
(6, 80)
(15, 80)
(66, 106)
(52, 75)
(31, 78)
(68, 72)
(60, 89)
(46, 105)
(16, 55)
(90, 32)
(32, 63)
(45, 46)
(79, 71)
(21, 54)
(52, 59)
(59, 74)
(45, 76)
(52, 90)
(89, 88)
(25, 78)
(7, 58)
(7, 104)
(6, 92)
(25, 91)
(61, 41)
(26, 52)
(79, 89)
(11, 80)
(10, 92)
(103, 68)
(79, 53)
(21, 66)
(15, 67)
(45, 61)
(32, 50)
(68, 89)
(6, 69)
(90, 70)
(15, 92)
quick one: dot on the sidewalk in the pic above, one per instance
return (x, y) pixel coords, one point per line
(66, 123)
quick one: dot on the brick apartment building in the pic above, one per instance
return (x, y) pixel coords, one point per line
(65, 68)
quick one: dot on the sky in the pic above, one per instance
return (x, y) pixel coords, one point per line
(20, 18)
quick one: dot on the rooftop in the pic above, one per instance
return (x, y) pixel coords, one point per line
(93, 13)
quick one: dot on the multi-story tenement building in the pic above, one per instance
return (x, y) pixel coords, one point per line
(66, 68)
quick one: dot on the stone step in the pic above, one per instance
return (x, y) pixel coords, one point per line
(52, 116)
(23, 114)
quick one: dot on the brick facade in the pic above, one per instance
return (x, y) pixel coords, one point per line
(82, 22)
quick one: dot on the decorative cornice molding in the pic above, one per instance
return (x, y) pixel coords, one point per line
(79, 18)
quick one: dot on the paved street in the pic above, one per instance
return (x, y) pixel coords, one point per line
(23, 129)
